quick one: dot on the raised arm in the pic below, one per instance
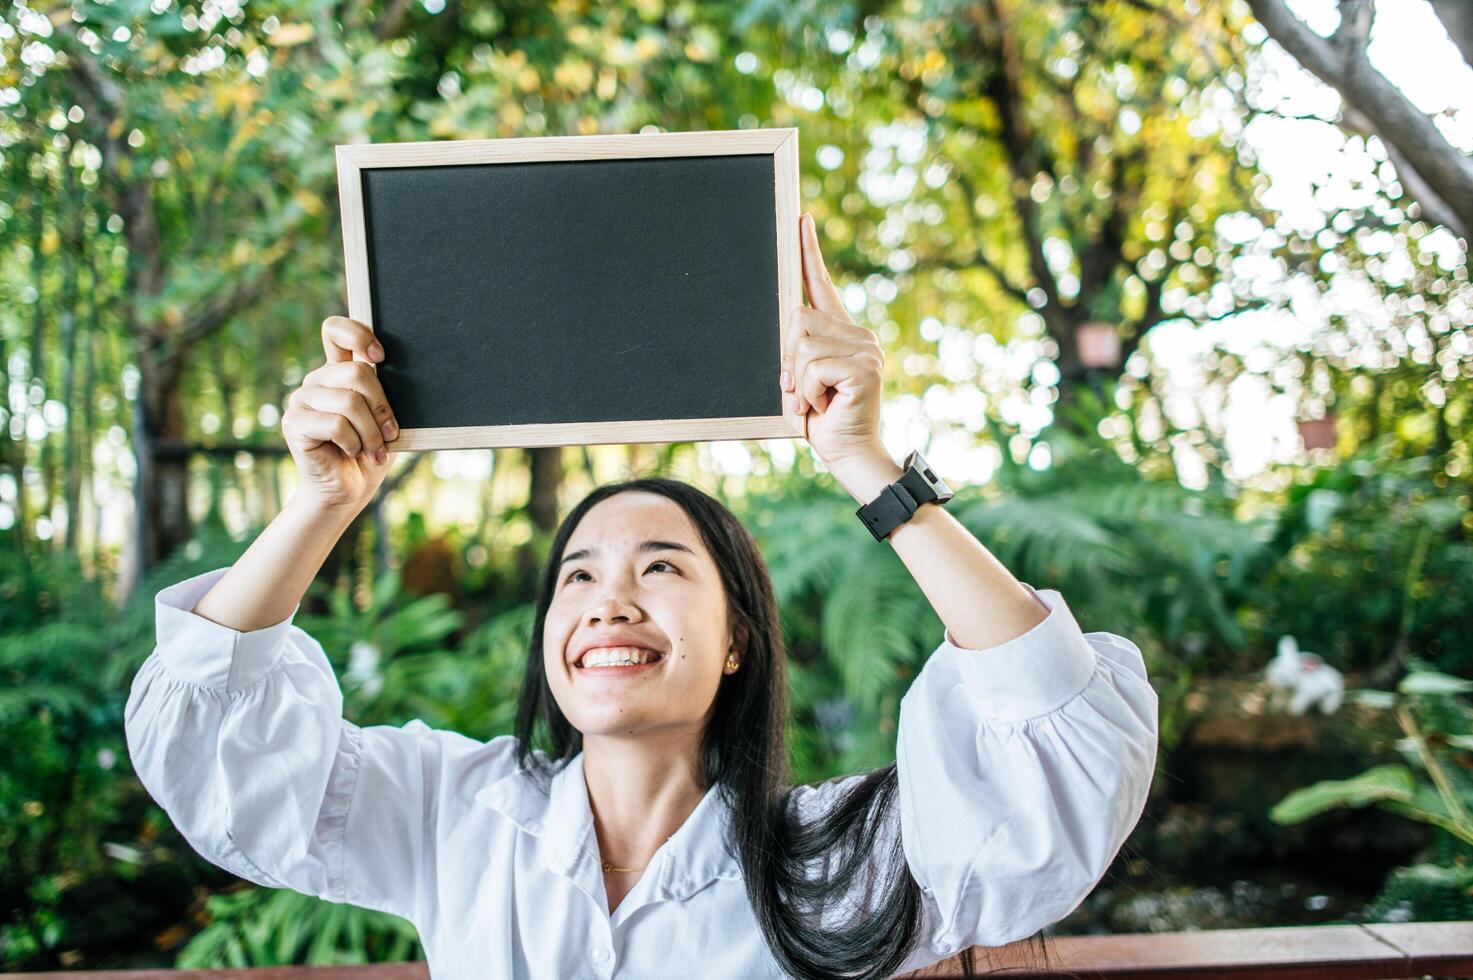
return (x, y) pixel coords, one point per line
(234, 722)
(1026, 747)
(831, 380)
(336, 426)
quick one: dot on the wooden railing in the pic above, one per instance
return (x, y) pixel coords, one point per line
(1368, 952)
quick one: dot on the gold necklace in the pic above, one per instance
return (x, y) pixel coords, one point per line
(609, 868)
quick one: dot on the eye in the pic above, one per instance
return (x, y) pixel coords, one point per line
(652, 565)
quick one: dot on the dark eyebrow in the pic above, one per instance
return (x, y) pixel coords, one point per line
(643, 547)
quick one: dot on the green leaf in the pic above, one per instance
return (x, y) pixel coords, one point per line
(1388, 782)
(1432, 682)
(1372, 698)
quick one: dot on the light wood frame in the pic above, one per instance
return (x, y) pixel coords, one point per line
(353, 159)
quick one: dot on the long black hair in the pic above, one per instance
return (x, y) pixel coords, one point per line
(743, 752)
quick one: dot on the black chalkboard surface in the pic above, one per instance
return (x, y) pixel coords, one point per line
(576, 290)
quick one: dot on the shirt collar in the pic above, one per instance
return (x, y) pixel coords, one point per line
(560, 815)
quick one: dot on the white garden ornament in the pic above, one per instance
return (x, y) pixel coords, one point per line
(363, 658)
(1302, 680)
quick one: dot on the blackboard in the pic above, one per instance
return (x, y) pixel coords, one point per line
(576, 290)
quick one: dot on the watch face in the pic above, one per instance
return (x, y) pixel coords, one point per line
(916, 463)
(915, 459)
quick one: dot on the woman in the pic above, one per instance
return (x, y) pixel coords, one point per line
(653, 833)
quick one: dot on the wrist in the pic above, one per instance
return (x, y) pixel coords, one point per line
(865, 475)
(328, 515)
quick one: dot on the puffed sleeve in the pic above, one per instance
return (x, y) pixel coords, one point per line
(240, 737)
(1022, 769)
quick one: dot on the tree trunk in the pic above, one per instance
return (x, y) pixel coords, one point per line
(37, 358)
(164, 480)
(218, 480)
(12, 451)
(70, 300)
(545, 478)
(89, 426)
(95, 365)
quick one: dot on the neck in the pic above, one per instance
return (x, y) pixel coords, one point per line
(641, 791)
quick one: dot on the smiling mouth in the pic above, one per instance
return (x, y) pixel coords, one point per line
(625, 658)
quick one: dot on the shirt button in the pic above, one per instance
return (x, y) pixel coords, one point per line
(535, 826)
(600, 955)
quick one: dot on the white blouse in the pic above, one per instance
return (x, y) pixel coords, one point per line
(1022, 768)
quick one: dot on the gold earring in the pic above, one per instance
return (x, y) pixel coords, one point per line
(732, 663)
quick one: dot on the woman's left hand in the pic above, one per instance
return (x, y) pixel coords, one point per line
(833, 368)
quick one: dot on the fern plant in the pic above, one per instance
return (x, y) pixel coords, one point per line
(1147, 559)
(278, 927)
(76, 829)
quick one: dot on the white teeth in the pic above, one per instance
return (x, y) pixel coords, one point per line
(618, 657)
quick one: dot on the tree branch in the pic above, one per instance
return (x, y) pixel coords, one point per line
(1341, 63)
(100, 97)
(391, 24)
(218, 310)
(979, 257)
(1457, 17)
(1433, 207)
(1003, 89)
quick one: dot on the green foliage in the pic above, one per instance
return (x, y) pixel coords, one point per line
(1008, 169)
(1424, 893)
(277, 927)
(1146, 558)
(860, 629)
(1370, 559)
(1388, 782)
(1434, 787)
(76, 829)
(418, 659)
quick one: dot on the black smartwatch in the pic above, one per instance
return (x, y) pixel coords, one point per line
(897, 502)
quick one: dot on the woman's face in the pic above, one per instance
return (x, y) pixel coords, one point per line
(616, 589)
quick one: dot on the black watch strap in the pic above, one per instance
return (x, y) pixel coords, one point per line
(888, 511)
(899, 501)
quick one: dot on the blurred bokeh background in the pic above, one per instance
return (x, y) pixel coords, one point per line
(1175, 295)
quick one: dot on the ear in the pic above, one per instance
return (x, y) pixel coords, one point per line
(739, 637)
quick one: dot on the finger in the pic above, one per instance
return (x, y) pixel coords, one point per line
(320, 428)
(343, 338)
(825, 373)
(807, 322)
(352, 407)
(802, 324)
(800, 422)
(358, 376)
(821, 290)
(812, 347)
(819, 322)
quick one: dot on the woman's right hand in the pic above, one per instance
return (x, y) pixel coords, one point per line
(338, 423)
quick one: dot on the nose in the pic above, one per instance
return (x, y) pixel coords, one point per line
(612, 607)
